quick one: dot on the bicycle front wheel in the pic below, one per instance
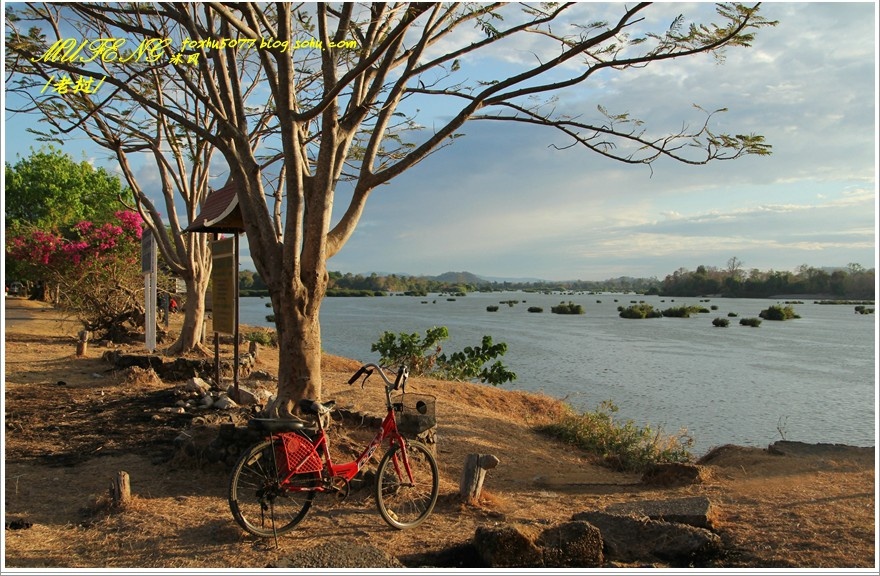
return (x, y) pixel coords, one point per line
(405, 503)
(259, 502)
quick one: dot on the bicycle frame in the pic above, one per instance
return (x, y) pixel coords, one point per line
(274, 482)
(347, 471)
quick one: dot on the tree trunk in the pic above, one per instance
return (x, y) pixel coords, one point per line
(190, 338)
(299, 368)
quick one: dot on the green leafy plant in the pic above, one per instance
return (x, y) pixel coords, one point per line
(778, 313)
(423, 357)
(753, 322)
(620, 445)
(268, 338)
(420, 355)
(567, 308)
(638, 312)
(721, 322)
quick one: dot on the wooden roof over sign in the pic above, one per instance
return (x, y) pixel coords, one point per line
(219, 213)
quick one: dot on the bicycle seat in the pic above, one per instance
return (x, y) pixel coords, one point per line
(273, 425)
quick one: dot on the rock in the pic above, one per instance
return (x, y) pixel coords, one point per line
(196, 384)
(207, 401)
(640, 539)
(694, 511)
(225, 403)
(260, 375)
(791, 448)
(246, 396)
(672, 474)
(509, 546)
(337, 554)
(571, 545)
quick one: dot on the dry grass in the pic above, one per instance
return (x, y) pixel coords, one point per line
(65, 443)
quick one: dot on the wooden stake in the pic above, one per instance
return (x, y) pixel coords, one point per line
(120, 489)
(82, 343)
(475, 466)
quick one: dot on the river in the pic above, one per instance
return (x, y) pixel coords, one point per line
(811, 379)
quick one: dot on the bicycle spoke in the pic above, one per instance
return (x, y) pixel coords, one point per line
(405, 502)
(259, 502)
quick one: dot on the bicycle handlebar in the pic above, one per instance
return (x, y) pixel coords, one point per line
(367, 369)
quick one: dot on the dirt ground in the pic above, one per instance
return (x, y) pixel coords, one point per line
(72, 423)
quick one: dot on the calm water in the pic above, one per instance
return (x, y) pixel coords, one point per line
(813, 377)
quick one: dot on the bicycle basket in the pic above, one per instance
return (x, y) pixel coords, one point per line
(415, 412)
(296, 454)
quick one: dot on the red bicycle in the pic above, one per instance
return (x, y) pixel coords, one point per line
(272, 486)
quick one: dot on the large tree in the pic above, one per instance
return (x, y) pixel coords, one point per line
(48, 192)
(130, 134)
(337, 90)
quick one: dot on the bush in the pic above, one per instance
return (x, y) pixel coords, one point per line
(423, 357)
(491, 308)
(264, 337)
(535, 309)
(732, 314)
(753, 322)
(778, 313)
(721, 322)
(639, 312)
(567, 308)
(625, 446)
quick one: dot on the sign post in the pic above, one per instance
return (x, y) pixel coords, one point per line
(149, 268)
(224, 282)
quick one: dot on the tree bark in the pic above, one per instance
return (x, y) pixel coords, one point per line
(299, 371)
(190, 338)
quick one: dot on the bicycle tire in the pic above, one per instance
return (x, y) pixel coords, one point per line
(401, 504)
(259, 504)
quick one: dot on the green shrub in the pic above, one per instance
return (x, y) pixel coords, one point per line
(732, 314)
(535, 309)
(265, 337)
(567, 308)
(721, 322)
(423, 357)
(471, 364)
(622, 446)
(684, 311)
(778, 313)
(753, 322)
(639, 312)
(491, 308)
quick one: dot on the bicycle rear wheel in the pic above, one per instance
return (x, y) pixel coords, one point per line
(259, 503)
(405, 504)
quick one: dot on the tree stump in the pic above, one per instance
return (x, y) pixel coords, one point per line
(473, 475)
(120, 489)
(82, 343)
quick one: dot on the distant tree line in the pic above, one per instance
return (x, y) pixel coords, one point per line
(852, 282)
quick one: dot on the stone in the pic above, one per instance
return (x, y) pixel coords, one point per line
(693, 511)
(640, 539)
(225, 403)
(196, 384)
(508, 546)
(572, 545)
(672, 474)
(260, 375)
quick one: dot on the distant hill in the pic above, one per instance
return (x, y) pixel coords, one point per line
(459, 278)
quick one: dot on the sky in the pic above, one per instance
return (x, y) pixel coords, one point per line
(503, 203)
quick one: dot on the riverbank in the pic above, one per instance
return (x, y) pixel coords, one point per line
(72, 423)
